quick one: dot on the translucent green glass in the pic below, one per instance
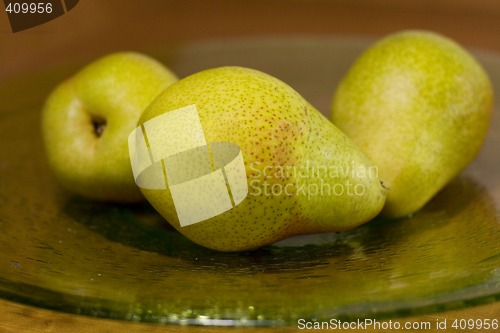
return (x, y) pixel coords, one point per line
(62, 252)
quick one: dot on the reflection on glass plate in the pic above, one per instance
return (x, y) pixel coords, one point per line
(125, 262)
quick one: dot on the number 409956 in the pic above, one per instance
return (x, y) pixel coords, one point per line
(32, 8)
(485, 324)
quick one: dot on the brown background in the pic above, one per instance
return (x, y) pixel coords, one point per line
(97, 27)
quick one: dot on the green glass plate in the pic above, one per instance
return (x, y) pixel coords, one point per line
(62, 252)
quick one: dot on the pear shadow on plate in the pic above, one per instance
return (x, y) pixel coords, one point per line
(141, 227)
(460, 210)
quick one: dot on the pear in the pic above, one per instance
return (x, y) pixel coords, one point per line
(419, 105)
(87, 118)
(235, 159)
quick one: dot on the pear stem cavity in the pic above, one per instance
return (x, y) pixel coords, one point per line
(99, 125)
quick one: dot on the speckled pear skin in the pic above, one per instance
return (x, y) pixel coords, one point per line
(114, 89)
(275, 128)
(419, 106)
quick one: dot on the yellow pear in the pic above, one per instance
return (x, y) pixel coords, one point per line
(418, 105)
(235, 159)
